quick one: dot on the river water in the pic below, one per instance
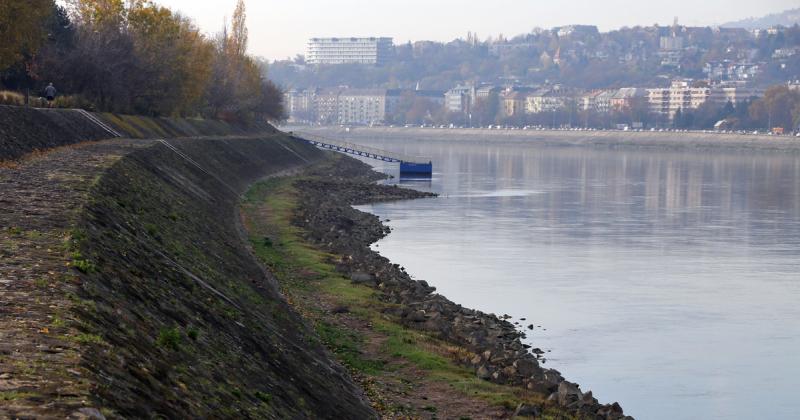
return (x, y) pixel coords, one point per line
(668, 281)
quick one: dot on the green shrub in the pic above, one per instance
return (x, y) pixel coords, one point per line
(82, 264)
(74, 101)
(169, 338)
(264, 397)
(89, 339)
(193, 333)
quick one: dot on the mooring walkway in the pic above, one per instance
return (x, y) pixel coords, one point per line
(407, 163)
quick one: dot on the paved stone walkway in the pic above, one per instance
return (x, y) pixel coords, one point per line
(40, 347)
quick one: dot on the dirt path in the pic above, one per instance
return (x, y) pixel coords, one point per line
(402, 390)
(398, 387)
(40, 199)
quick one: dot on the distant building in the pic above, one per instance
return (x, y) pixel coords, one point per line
(513, 103)
(671, 49)
(582, 30)
(484, 92)
(326, 105)
(784, 53)
(588, 101)
(681, 95)
(300, 105)
(362, 106)
(734, 92)
(671, 58)
(602, 102)
(375, 51)
(459, 98)
(545, 100)
(731, 70)
(673, 43)
(623, 98)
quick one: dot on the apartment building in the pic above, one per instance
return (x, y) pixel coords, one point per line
(513, 103)
(299, 104)
(362, 106)
(376, 51)
(680, 95)
(545, 100)
(326, 105)
(624, 98)
(734, 92)
(459, 98)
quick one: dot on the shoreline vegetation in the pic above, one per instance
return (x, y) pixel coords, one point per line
(415, 353)
(691, 140)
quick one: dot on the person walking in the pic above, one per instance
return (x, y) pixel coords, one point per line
(50, 93)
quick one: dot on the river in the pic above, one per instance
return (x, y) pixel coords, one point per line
(666, 280)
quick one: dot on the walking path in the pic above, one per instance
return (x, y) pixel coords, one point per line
(40, 343)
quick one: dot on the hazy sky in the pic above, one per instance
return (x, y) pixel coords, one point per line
(280, 28)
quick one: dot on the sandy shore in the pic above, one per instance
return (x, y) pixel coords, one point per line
(607, 139)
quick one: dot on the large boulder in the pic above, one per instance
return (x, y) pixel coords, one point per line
(360, 277)
(527, 410)
(568, 393)
(527, 367)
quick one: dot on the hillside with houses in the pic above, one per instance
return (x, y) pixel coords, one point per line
(574, 76)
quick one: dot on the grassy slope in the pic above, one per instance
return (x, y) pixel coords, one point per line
(309, 279)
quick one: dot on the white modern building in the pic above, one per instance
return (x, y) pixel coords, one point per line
(376, 51)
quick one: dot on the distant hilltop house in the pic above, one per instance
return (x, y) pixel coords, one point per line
(585, 30)
(731, 70)
(375, 51)
(784, 53)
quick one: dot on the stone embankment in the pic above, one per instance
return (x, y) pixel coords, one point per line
(127, 290)
(612, 139)
(188, 323)
(327, 215)
(26, 130)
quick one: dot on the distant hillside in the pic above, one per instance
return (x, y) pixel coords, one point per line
(786, 18)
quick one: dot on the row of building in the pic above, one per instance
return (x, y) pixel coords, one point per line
(375, 106)
(680, 95)
(352, 106)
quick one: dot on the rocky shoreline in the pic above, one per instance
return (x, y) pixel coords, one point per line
(495, 350)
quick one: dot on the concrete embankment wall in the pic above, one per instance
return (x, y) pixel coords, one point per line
(187, 323)
(139, 127)
(25, 130)
(602, 139)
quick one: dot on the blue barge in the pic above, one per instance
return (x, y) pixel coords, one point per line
(417, 169)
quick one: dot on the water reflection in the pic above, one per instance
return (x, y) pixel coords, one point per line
(419, 183)
(666, 280)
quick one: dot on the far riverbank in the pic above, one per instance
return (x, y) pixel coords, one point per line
(604, 139)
